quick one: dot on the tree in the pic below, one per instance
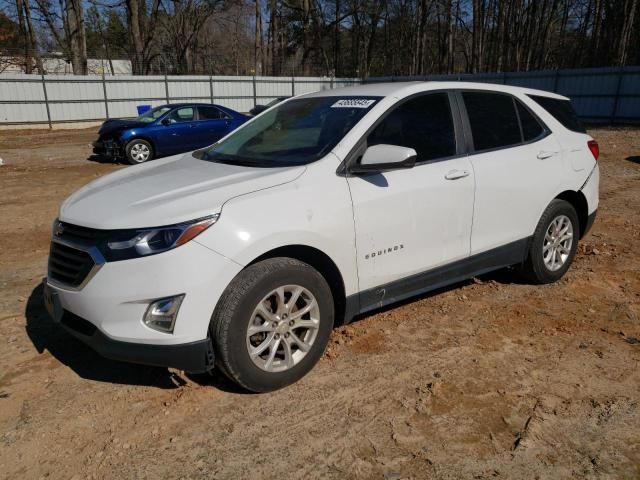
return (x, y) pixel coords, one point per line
(66, 25)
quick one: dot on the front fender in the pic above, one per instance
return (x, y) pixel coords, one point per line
(314, 210)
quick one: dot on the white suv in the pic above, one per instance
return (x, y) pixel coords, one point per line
(245, 254)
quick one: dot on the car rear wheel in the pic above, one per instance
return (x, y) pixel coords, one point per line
(554, 243)
(272, 324)
(138, 151)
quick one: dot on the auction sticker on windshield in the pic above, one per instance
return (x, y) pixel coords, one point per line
(353, 103)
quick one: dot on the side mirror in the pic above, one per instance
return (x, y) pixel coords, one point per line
(381, 158)
(165, 121)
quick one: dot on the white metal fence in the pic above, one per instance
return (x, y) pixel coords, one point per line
(606, 95)
(29, 99)
(599, 95)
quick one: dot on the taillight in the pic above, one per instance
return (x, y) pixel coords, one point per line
(595, 149)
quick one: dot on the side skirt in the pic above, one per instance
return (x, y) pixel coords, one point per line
(398, 290)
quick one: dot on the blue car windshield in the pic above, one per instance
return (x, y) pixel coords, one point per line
(297, 132)
(153, 114)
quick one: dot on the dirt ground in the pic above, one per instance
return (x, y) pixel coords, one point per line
(489, 378)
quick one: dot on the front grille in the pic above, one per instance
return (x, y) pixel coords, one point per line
(84, 235)
(68, 265)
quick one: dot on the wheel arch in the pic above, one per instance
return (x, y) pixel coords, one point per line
(322, 263)
(581, 206)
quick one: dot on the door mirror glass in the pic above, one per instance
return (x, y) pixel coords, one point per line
(380, 158)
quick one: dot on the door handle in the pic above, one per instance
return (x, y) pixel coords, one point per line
(455, 174)
(546, 154)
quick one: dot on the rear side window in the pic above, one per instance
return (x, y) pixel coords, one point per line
(211, 113)
(423, 123)
(531, 127)
(493, 120)
(562, 111)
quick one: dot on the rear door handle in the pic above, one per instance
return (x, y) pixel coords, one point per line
(546, 154)
(455, 174)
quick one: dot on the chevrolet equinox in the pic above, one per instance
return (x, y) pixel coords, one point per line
(244, 254)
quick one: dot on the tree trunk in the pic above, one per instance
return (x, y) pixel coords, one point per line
(625, 33)
(259, 42)
(336, 42)
(32, 42)
(77, 36)
(22, 30)
(477, 36)
(135, 34)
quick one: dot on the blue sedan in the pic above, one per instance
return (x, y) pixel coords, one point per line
(166, 130)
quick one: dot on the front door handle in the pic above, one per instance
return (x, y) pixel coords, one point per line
(546, 154)
(455, 174)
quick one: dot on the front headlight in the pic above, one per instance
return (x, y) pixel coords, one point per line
(127, 244)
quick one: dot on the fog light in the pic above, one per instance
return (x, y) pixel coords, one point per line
(161, 314)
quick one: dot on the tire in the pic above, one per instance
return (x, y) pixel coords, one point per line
(252, 300)
(541, 266)
(138, 151)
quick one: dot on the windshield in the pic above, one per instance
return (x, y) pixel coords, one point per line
(297, 132)
(153, 114)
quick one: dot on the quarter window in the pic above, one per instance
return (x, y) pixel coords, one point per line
(493, 120)
(531, 128)
(423, 123)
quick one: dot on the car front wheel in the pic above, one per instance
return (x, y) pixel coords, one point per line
(138, 151)
(272, 324)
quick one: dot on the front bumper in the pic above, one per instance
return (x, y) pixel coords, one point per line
(110, 148)
(107, 313)
(193, 357)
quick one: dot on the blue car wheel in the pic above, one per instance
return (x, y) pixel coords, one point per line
(138, 151)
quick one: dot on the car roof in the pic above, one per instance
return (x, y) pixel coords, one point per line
(200, 104)
(190, 104)
(402, 89)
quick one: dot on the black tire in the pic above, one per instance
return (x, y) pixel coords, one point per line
(230, 321)
(534, 267)
(130, 152)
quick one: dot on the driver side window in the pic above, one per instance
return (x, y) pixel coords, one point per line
(424, 123)
(184, 114)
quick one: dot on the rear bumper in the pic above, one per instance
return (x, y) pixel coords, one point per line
(590, 220)
(194, 357)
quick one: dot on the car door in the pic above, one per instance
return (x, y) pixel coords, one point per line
(517, 166)
(212, 125)
(410, 221)
(177, 132)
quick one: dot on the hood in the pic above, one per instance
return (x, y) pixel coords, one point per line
(115, 125)
(167, 191)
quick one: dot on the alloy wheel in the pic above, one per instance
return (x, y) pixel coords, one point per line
(558, 239)
(283, 327)
(140, 152)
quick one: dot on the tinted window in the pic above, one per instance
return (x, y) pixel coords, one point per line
(296, 132)
(184, 114)
(531, 127)
(211, 113)
(493, 120)
(423, 123)
(561, 111)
